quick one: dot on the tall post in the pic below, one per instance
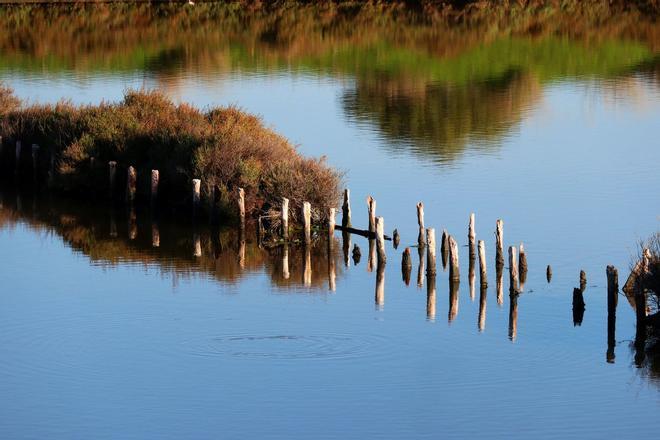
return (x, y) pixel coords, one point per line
(454, 273)
(346, 209)
(471, 237)
(131, 184)
(420, 222)
(241, 206)
(331, 223)
(380, 240)
(430, 252)
(155, 176)
(112, 177)
(196, 195)
(307, 222)
(371, 205)
(499, 243)
(513, 270)
(482, 264)
(284, 217)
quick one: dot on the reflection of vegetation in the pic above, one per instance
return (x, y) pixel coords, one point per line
(103, 234)
(412, 67)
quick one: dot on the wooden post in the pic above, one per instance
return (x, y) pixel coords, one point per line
(284, 216)
(499, 243)
(522, 266)
(346, 209)
(35, 161)
(357, 254)
(454, 273)
(371, 204)
(430, 297)
(513, 270)
(380, 240)
(396, 239)
(612, 299)
(196, 195)
(331, 223)
(420, 221)
(444, 249)
(406, 266)
(482, 264)
(430, 252)
(583, 280)
(241, 206)
(307, 222)
(471, 237)
(548, 273)
(18, 156)
(155, 176)
(131, 184)
(112, 177)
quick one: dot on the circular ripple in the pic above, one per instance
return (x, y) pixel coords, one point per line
(287, 346)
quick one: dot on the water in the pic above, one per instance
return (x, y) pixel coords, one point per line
(104, 335)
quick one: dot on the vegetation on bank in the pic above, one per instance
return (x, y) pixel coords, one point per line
(224, 147)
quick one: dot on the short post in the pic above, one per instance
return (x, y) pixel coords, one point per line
(131, 184)
(241, 206)
(380, 240)
(522, 265)
(346, 209)
(35, 161)
(420, 222)
(513, 270)
(583, 280)
(307, 222)
(444, 248)
(499, 243)
(284, 217)
(406, 266)
(155, 176)
(430, 252)
(19, 146)
(331, 223)
(482, 264)
(396, 239)
(371, 205)
(196, 195)
(454, 273)
(112, 177)
(548, 273)
(471, 237)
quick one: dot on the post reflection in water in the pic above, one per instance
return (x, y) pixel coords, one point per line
(420, 270)
(197, 245)
(406, 266)
(113, 222)
(241, 248)
(332, 272)
(371, 261)
(380, 286)
(430, 297)
(346, 247)
(578, 307)
(155, 234)
(482, 308)
(453, 299)
(307, 266)
(471, 274)
(285, 261)
(132, 223)
(513, 316)
(499, 274)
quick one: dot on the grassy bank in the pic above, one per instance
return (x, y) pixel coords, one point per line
(224, 147)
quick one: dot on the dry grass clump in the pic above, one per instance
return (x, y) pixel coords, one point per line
(224, 147)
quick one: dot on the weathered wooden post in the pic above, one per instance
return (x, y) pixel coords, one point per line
(522, 260)
(131, 184)
(548, 273)
(284, 217)
(307, 222)
(513, 270)
(346, 210)
(454, 273)
(396, 239)
(406, 266)
(155, 177)
(444, 249)
(482, 308)
(380, 240)
(371, 205)
(499, 243)
(583, 280)
(420, 221)
(471, 238)
(430, 252)
(112, 177)
(331, 223)
(196, 196)
(483, 279)
(35, 162)
(430, 297)
(19, 146)
(612, 299)
(241, 206)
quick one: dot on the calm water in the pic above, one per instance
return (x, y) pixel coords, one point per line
(105, 335)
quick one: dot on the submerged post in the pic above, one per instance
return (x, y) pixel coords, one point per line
(513, 270)
(548, 273)
(196, 195)
(112, 177)
(131, 184)
(430, 252)
(346, 209)
(454, 273)
(420, 222)
(241, 206)
(155, 177)
(499, 243)
(284, 217)
(307, 222)
(482, 264)
(371, 205)
(380, 240)
(583, 280)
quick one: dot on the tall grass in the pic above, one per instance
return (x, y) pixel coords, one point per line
(225, 147)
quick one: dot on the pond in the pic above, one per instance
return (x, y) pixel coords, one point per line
(122, 325)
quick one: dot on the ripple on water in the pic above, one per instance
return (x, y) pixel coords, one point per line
(288, 347)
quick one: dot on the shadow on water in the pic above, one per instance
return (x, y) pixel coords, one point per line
(113, 235)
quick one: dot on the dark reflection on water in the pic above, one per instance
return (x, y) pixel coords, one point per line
(111, 235)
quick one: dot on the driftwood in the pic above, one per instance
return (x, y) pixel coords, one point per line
(363, 233)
